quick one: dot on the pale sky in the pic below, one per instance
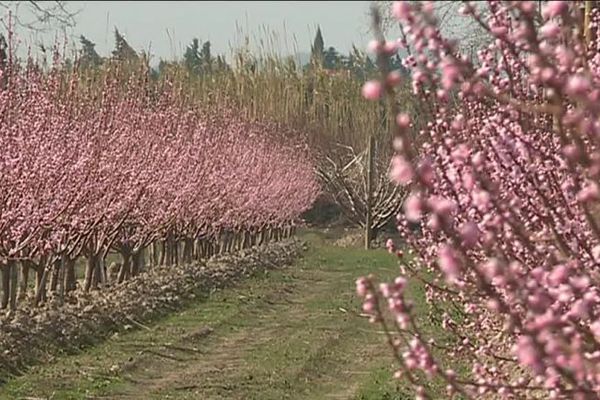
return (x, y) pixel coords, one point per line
(167, 27)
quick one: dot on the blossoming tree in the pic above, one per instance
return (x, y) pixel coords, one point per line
(504, 184)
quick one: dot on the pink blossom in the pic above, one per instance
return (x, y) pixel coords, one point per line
(470, 233)
(403, 120)
(449, 263)
(577, 85)
(554, 8)
(372, 90)
(527, 353)
(401, 171)
(401, 10)
(413, 208)
(550, 30)
(394, 78)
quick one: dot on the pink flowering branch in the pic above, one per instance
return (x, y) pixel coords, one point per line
(504, 187)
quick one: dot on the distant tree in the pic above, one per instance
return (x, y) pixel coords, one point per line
(318, 49)
(123, 51)
(206, 57)
(191, 58)
(199, 60)
(89, 56)
(331, 59)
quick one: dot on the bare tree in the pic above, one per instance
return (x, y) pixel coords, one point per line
(466, 31)
(39, 16)
(360, 185)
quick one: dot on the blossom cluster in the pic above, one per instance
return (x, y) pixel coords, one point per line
(504, 184)
(89, 163)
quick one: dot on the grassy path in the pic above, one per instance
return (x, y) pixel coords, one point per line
(289, 334)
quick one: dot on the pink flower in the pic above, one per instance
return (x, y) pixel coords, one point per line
(469, 233)
(401, 10)
(595, 328)
(374, 46)
(577, 85)
(442, 206)
(559, 275)
(389, 244)
(372, 90)
(425, 171)
(450, 75)
(362, 286)
(481, 199)
(413, 208)
(449, 263)
(596, 253)
(403, 120)
(526, 352)
(590, 192)
(394, 78)
(401, 172)
(550, 30)
(390, 48)
(554, 9)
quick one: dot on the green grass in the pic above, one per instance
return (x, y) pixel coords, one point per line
(287, 334)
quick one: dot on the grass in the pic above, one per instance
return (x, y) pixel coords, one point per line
(293, 333)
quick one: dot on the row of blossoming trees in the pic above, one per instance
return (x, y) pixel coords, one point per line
(108, 163)
(505, 187)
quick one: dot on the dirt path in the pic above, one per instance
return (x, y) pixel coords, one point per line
(291, 334)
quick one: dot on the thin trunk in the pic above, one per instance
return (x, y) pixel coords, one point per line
(54, 276)
(98, 275)
(24, 279)
(369, 199)
(70, 278)
(5, 285)
(163, 252)
(169, 251)
(142, 261)
(135, 263)
(153, 253)
(61, 278)
(124, 271)
(40, 295)
(89, 272)
(14, 284)
(40, 282)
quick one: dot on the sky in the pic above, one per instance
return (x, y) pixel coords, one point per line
(167, 27)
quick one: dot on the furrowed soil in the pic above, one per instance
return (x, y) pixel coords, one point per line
(291, 333)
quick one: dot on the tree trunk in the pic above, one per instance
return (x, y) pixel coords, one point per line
(169, 251)
(24, 279)
(5, 285)
(153, 253)
(125, 268)
(42, 274)
(70, 278)
(40, 281)
(369, 199)
(54, 276)
(89, 272)
(98, 274)
(14, 284)
(135, 263)
(163, 252)
(187, 251)
(61, 278)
